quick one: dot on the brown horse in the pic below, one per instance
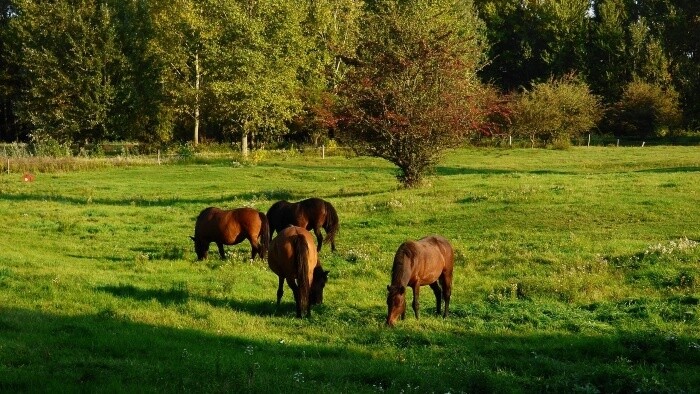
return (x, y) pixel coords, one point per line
(292, 257)
(230, 228)
(418, 263)
(311, 214)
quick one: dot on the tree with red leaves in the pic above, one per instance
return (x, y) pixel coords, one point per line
(413, 92)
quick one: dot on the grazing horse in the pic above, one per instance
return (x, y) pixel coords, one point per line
(418, 263)
(230, 228)
(292, 257)
(312, 213)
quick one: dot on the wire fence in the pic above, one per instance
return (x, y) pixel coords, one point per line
(22, 157)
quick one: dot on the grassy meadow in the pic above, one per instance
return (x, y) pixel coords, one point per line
(577, 271)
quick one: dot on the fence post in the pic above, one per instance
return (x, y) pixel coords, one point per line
(643, 142)
(510, 140)
(618, 142)
(158, 156)
(8, 165)
(589, 139)
(323, 151)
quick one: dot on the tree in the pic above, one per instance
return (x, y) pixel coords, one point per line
(181, 35)
(332, 29)
(67, 68)
(9, 76)
(531, 40)
(410, 95)
(644, 110)
(254, 63)
(556, 111)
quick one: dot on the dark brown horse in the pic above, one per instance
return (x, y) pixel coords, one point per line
(292, 257)
(230, 228)
(428, 261)
(311, 214)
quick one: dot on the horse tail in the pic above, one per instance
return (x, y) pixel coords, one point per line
(264, 235)
(301, 259)
(332, 224)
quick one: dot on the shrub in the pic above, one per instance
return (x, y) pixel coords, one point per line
(555, 111)
(410, 93)
(49, 147)
(645, 110)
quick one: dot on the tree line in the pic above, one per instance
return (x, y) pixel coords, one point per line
(156, 71)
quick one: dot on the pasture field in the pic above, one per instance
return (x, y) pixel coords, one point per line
(577, 271)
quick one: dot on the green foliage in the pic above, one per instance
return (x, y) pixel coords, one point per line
(555, 111)
(531, 41)
(254, 61)
(408, 98)
(67, 69)
(645, 110)
(49, 147)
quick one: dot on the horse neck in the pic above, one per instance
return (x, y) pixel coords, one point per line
(401, 271)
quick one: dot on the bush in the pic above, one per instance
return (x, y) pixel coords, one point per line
(645, 110)
(49, 147)
(555, 112)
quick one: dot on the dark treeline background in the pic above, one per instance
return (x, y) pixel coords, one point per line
(157, 71)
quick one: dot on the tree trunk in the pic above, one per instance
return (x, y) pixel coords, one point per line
(244, 143)
(196, 99)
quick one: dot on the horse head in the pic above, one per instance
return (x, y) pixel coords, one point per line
(200, 248)
(317, 284)
(396, 303)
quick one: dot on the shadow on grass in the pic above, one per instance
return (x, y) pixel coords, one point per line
(450, 171)
(178, 295)
(108, 351)
(147, 202)
(671, 170)
(139, 201)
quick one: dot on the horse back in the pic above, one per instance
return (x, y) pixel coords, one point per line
(422, 262)
(313, 211)
(213, 224)
(280, 215)
(227, 226)
(282, 252)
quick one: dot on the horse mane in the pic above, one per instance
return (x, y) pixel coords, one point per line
(264, 234)
(332, 224)
(301, 259)
(403, 261)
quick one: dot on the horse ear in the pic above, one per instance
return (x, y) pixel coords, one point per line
(192, 238)
(388, 288)
(402, 289)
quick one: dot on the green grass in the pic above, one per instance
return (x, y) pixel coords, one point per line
(576, 271)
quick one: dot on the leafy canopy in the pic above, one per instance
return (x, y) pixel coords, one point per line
(409, 96)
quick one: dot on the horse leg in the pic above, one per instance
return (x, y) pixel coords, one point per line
(332, 241)
(255, 248)
(222, 253)
(319, 238)
(416, 303)
(297, 296)
(280, 291)
(446, 293)
(438, 296)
